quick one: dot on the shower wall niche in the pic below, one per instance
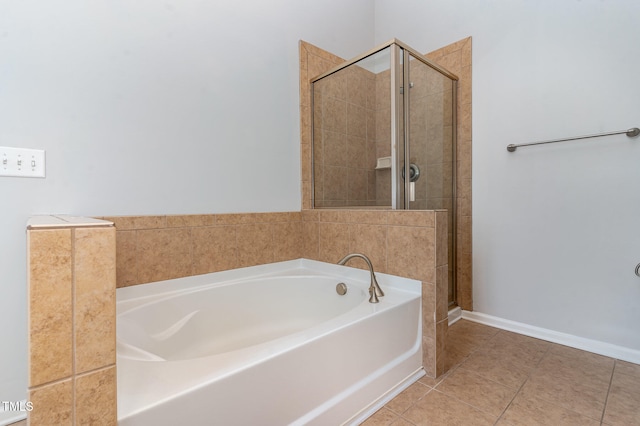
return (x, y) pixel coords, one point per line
(383, 136)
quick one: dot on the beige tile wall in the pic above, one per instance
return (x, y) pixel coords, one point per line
(154, 248)
(456, 58)
(344, 137)
(72, 353)
(383, 135)
(407, 243)
(431, 136)
(352, 129)
(151, 248)
(312, 64)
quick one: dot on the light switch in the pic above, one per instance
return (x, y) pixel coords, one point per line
(22, 162)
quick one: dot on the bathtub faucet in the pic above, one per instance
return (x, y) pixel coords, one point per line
(374, 289)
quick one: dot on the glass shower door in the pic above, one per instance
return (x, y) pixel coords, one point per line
(431, 143)
(351, 134)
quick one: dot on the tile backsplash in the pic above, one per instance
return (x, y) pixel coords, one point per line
(154, 248)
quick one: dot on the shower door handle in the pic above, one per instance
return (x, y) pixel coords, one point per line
(414, 172)
(638, 269)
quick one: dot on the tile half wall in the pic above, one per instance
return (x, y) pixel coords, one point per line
(411, 244)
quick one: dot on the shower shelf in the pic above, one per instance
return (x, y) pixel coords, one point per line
(383, 163)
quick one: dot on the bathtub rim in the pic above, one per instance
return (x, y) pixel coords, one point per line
(140, 294)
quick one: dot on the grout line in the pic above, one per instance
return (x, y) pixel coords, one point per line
(136, 259)
(192, 260)
(401, 415)
(237, 248)
(547, 352)
(51, 383)
(73, 325)
(606, 400)
(96, 370)
(519, 388)
(528, 377)
(482, 410)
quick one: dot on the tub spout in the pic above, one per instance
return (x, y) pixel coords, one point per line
(374, 289)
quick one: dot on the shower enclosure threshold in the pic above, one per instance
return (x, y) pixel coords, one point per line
(455, 314)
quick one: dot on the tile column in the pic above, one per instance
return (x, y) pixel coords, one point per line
(71, 321)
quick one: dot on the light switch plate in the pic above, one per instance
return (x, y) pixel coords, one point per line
(22, 162)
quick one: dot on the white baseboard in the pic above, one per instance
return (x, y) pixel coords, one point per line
(595, 346)
(9, 417)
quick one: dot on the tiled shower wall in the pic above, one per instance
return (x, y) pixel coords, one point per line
(430, 136)
(72, 350)
(383, 136)
(344, 129)
(456, 58)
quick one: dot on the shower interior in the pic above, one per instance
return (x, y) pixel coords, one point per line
(385, 115)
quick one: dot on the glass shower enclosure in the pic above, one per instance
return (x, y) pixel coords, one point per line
(384, 136)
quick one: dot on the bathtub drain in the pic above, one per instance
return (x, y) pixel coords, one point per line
(341, 289)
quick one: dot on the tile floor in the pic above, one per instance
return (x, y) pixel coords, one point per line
(500, 378)
(497, 377)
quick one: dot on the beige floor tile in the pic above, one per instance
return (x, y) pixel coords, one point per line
(431, 382)
(506, 358)
(457, 353)
(527, 410)
(522, 351)
(402, 422)
(463, 339)
(623, 401)
(471, 333)
(534, 345)
(408, 397)
(625, 383)
(627, 368)
(477, 391)
(574, 396)
(578, 369)
(594, 360)
(438, 409)
(382, 417)
(496, 369)
(557, 385)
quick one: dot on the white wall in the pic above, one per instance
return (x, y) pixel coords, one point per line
(151, 107)
(556, 228)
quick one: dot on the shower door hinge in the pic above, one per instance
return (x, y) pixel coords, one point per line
(402, 87)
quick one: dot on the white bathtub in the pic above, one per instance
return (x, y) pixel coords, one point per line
(266, 345)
